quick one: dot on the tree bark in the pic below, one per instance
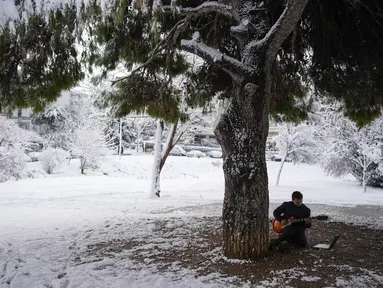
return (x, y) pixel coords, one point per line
(364, 184)
(120, 141)
(242, 133)
(169, 145)
(155, 188)
(82, 166)
(280, 170)
(162, 155)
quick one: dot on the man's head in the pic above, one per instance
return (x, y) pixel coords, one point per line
(297, 198)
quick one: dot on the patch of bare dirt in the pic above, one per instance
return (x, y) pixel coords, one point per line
(195, 244)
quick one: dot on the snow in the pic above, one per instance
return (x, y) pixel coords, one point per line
(48, 224)
(196, 154)
(214, 154)
(186, 182)
(11, 10)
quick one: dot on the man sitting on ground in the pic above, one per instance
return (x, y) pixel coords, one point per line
(294, 233)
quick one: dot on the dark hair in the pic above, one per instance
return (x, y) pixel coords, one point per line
(297, 195)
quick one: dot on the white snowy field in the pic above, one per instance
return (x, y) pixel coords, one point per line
(70, 196)
(46, 222)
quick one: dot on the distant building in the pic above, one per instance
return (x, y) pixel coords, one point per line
(206, 136)
(23, 117)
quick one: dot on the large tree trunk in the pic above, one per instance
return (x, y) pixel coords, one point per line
(242, 133)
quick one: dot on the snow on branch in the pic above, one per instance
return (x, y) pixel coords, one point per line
(230, 65)
(206, 7)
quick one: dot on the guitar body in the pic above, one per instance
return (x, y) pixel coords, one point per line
(278, 226)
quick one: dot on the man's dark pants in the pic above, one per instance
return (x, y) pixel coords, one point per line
(293, 234)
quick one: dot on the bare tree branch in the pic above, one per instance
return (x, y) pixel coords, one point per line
(230, 65)
(181, 133)
(169, 144)
(206, 7)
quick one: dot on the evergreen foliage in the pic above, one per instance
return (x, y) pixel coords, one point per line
(335, 47)
(38, 60)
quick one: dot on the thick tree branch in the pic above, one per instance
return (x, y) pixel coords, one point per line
(278, 33)
(284, 26)
(206, 7)
(230, 65)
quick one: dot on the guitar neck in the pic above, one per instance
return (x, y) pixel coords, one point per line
(298, 220)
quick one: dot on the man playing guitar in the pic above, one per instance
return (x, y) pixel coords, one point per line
(292, 232)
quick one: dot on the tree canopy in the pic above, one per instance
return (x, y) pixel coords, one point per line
(335, 48)
(38, 59)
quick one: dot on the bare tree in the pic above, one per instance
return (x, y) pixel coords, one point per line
(161, 152)
(296, 142)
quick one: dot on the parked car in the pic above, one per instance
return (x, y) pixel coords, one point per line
(279, 159)
(195, 154)
(34, 156)
(177, 151)
(35, 147)
(214, 154)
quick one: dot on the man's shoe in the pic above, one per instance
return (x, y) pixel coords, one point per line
(284, 247)
(273, 243)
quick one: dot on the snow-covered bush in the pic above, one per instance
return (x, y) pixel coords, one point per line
(12, 163)
(51, 159)
(12, 134)
(13, 142)
(349, 149)
(89, 146)
(34, 173)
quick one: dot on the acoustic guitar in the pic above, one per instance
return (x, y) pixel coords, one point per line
(278, 226)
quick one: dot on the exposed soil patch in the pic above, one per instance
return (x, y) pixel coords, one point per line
(195, 243)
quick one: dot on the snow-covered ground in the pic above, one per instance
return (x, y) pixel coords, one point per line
(43, 221)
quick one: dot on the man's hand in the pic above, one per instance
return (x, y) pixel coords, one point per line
(286, 222)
